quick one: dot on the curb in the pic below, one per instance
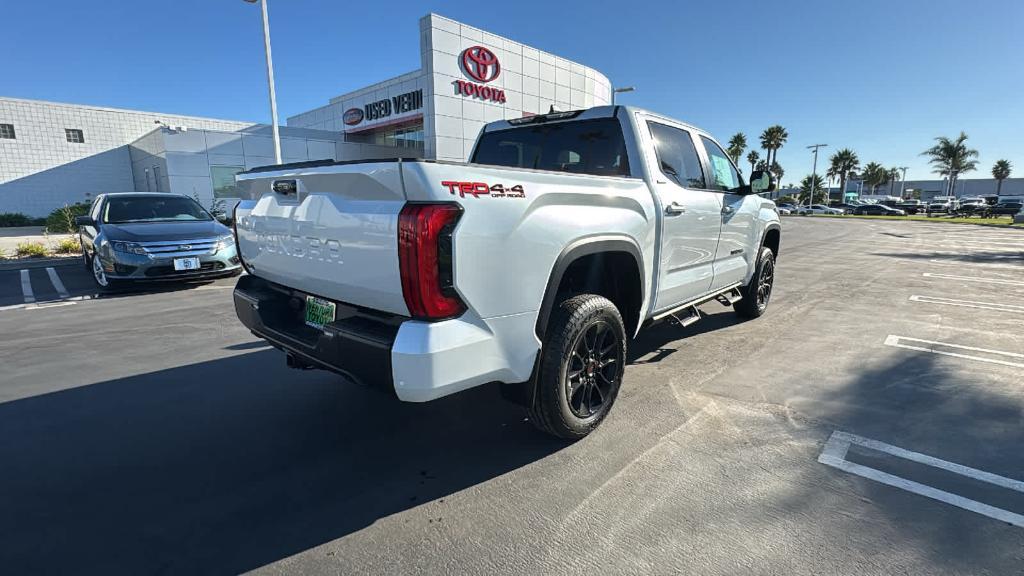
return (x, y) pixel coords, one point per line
(38, 263)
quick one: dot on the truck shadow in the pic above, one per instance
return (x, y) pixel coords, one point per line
(227, 465)
(653, 344)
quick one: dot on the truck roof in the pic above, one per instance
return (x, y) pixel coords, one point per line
(608, 111)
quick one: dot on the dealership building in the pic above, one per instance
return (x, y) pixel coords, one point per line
(53, 154)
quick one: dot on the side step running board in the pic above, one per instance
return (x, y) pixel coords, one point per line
(731, 297)
(687, 313)
(692, 314)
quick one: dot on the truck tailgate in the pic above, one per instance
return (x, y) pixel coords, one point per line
(334, 235)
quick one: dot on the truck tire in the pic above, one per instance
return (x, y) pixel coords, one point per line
(581, 367)
(758, 293)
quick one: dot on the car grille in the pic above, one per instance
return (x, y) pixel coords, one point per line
(179, 248)
(170, 271)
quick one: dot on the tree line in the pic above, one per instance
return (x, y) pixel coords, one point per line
(949, 158)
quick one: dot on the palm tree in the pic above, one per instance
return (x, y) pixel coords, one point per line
(753, 157)
(1001, 171)
(875, 175)
(737, 144)
(894, 175)
(842, 165)
(952, 158)
(805, 187)
(773, 138)
(777, 171)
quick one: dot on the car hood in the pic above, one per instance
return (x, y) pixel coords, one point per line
(154, 231)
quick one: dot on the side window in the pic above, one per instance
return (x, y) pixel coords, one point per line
(677, 157)
(723, 174)
(95, 210)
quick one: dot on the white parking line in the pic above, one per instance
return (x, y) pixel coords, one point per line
(896, 342)
(968, 304)
(57, 284)
(973, 279)
(26, 288)
(834, 455)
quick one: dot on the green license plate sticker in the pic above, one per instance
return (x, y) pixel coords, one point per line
(318, 312)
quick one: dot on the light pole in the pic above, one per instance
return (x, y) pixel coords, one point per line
(620, 90)
(903, 182)
(270, 79)
(814, 174)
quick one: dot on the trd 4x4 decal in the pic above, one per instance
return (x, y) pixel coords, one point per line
(476, 189)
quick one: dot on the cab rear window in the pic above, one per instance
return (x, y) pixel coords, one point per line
(594, 147)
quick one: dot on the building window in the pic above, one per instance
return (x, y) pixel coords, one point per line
(74, 135)
(7, 131)
(224, 180)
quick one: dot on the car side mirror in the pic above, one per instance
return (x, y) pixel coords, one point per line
(761, 181)
(84, 221)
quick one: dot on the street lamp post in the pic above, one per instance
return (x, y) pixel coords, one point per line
(903, 182)
(270, 79)
(620, 90)
(814, 174)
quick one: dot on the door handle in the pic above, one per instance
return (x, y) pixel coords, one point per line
(727, 210)
(674, 209)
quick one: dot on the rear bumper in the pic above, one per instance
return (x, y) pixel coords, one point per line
(357, 344)
(421, 361)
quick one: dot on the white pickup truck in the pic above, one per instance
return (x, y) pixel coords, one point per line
(532, 265)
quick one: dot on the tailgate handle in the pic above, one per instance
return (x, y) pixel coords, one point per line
(286, 187)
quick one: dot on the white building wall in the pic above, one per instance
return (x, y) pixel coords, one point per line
(532, 80)
(40, 170)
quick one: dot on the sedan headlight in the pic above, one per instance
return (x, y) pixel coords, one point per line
(129, 247)
(224, 242)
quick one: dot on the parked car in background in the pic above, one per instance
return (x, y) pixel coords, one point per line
(878, 210)
(1010, 209)
(912, 206)
(147, 236)
(942, 205)
(846, 208)
(972, 206)
(819, 209)
(785, 208)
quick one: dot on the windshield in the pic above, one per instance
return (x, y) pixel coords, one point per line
(153, 209)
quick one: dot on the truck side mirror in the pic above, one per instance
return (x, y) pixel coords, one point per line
(761, 181)
(84, 221)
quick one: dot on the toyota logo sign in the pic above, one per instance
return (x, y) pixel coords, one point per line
(352, 116)
(480, 64)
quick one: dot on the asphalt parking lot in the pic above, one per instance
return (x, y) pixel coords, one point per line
(870, 423)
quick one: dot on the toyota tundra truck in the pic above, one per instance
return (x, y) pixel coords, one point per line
(531, 265)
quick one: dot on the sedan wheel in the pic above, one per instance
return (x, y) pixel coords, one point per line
(98, 274)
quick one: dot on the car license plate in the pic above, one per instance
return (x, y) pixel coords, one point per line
(186, 264)
(319, 312)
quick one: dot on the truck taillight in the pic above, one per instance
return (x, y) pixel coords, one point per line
(425, 260)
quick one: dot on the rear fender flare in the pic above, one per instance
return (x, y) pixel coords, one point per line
(579, 249)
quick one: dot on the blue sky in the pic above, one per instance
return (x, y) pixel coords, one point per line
(881, 77)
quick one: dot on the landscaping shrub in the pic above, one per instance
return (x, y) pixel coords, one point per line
(30, 250)
(13, 219)
(68, 246)
(62, 219)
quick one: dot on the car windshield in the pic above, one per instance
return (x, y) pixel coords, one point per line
(128, 209)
